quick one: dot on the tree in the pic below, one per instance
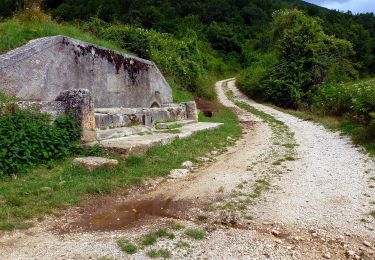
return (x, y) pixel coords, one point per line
(307, 57)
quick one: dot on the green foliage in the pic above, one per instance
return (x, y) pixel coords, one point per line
(127, 247)
(28, 138)
(163, 253)
(15, 32)
(355, 99)
(307, 58)
(196, 234)
(249, 80)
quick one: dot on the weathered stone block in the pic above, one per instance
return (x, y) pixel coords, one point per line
(93, 163)
(192, 111)
(80, 103)
(44, 67)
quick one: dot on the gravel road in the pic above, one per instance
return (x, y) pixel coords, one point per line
(288, 189)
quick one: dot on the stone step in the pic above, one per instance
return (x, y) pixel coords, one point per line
(173, 124)
(121, 132)
(139, 144)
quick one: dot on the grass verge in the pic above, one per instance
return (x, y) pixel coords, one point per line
(49, 188)
(342, 124)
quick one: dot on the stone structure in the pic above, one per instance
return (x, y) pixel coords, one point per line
(107, 91)
(43, 68)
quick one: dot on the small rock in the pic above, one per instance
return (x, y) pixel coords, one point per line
(46, 189)
(203, 159)
(214, 153)
(187, 164)
(350, 253)
(178, 173)
(92, 163)
(314, 234)
(278, 241)
(275, 232)
(327, 255)
(366, 243)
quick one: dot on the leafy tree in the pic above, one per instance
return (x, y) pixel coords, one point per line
(307, 58)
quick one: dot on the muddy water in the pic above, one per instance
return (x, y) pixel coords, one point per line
(130, 213)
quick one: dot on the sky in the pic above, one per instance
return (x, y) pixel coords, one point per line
(356, 6)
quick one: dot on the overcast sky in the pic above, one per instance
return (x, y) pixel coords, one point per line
(356, 6)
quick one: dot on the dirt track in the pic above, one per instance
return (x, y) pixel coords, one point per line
(288, 191)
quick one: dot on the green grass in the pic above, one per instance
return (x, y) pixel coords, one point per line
(127, 247)
(176, 226)
(164, 233)
(259, 187)
(23, 198)
(196, 234)
(156, 253)
(15, 32)
(149, 240)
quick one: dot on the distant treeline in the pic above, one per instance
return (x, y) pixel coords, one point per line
(229, 25)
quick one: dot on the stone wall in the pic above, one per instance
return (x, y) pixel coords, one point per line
(43, 68)
(122, 117)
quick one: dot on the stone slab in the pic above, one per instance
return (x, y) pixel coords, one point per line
(139, 144)
(93, 163)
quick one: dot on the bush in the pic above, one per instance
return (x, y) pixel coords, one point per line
(28, 138)
(307, 57)
(355, 99)
(249, 81)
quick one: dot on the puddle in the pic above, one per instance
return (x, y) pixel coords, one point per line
(130, 213)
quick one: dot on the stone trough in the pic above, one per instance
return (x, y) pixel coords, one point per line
(118, 99)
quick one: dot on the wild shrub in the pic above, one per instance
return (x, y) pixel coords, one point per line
(28, 138)
(357, 100)
(307, 57)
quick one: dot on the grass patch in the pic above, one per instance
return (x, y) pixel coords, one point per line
(152, 238)
(290, 158)
(196, 234)
(182, 244)
(260, 186)
(266, 117)
(176, 226)
(15, 32)
(127, 247)
(156, 253)
(149, 240)
(164, 233)
(372, 213)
